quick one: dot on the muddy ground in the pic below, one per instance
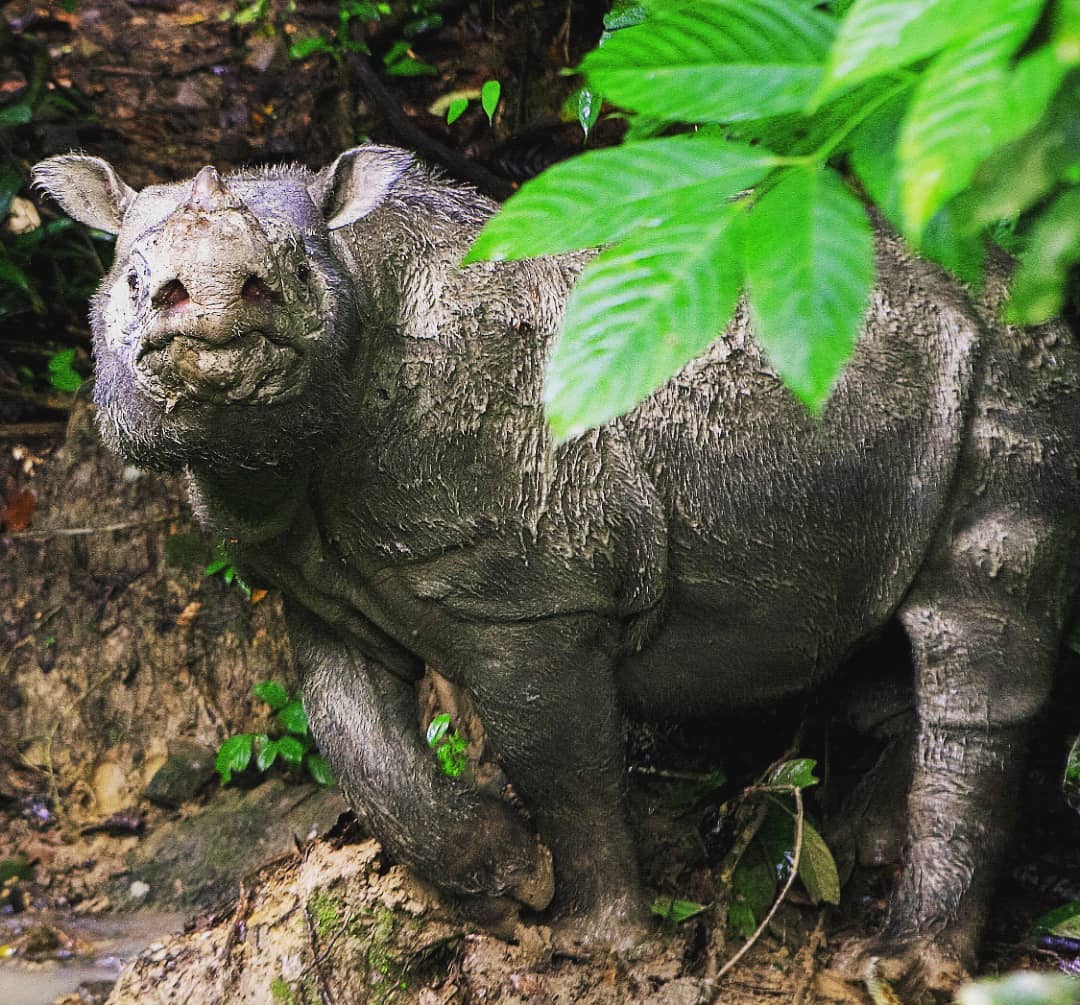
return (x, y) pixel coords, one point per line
(120, 654)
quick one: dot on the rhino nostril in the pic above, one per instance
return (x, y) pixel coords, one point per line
(172, 294)
(256, 291)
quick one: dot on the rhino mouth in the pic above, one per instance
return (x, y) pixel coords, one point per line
(248, 368)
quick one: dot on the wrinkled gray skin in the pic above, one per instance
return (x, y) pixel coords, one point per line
(363, 418)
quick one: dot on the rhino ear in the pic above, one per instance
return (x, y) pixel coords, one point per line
(87, 189)
(357, 182)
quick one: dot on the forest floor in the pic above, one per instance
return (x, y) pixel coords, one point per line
(88, 715)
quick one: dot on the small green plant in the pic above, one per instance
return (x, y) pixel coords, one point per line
(489, 96)
(292, 741)
(449, 746)
(220, 564)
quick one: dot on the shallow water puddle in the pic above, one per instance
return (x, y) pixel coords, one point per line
(96, 948)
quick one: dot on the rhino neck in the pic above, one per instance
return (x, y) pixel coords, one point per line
(247, 507)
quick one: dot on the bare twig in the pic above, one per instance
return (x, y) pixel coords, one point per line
(44, 535)
(726, 968)
(32, 430)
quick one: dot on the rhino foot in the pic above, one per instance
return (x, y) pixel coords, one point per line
(921, 970)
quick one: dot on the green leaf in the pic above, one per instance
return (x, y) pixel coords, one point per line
(741, 918)
(586, 103)
(1063, 920)
(318, 769)
(675, 911)
(451, 755)
(715, 60)
(606, 194)
(291, 749)
(810, 268)
(305, 47)
(220, 561)
(62, 375)
(624, 14)
(1022, 989)
(639, 312)
(753, 885)
(454, 110)
(266, 751)
(489, 98)
(16, 115)
(272, 693)
(437, 729)
(234, 755)
(798, 773)
(1054, 248)
(967, 104)
(817, 868)
(293, 718)
(877, 36)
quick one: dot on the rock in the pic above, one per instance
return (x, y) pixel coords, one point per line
(186, 771)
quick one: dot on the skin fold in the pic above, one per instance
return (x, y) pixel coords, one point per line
(361, 418)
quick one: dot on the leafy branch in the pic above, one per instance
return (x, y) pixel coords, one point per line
(756, 127)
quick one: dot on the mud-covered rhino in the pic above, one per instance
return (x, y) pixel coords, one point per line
(362, 417)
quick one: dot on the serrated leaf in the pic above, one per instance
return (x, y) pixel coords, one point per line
(967, 104)
(318, 769)
(1022, 989)
(291, 749)
(455, 109)
(674, 910)
(877, 36)
(1063, 920)
(798, 773)
(489, 98)
(293, 717)
(603, 195)
(639, 313)
(817, 868)
(715, 60)
(1054, 248)
(234, 755)
(809, 258)
(272, 693)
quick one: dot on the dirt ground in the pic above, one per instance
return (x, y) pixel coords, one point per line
(115, 647)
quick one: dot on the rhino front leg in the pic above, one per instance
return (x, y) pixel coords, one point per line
(546, 693)
(364, 719)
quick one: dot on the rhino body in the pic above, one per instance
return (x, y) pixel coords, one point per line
(363, 419)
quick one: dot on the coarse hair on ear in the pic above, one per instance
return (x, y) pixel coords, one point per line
(88, 189)
(357, 182)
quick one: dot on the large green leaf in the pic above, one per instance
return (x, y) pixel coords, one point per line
(810, 268)
(968, 103)
(603, 195)
(639, 312)
(817, 868)
(1054, 248)
(715, 60)
(877, 36)
(1022, 989)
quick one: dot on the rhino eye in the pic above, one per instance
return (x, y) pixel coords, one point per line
(303, 273)
(133, 284)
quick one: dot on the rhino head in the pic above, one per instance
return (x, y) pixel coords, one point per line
(226, 329)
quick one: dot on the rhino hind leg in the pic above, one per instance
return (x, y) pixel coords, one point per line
(985, 623)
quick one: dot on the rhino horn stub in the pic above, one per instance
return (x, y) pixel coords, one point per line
(209, 193)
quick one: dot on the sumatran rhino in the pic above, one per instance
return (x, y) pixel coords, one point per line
(362, 418)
